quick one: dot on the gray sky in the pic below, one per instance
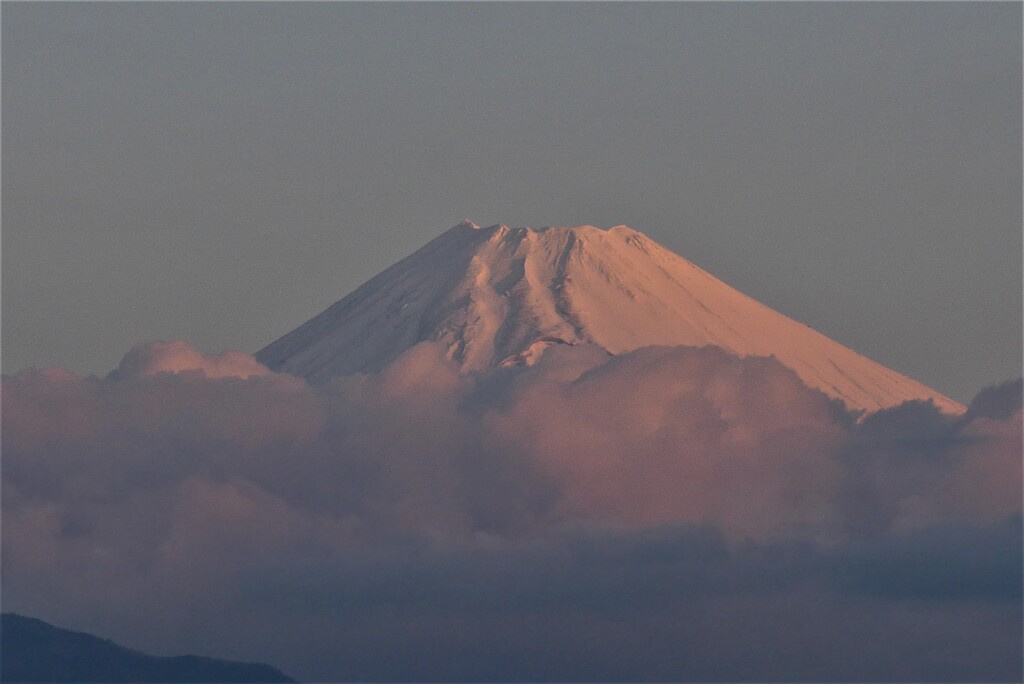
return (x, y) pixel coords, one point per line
(222, 172)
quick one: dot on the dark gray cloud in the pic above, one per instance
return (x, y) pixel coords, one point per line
(672, 513)
(998, 403)
(950, 562)
(521, 599)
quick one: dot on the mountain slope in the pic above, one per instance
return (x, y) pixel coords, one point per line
(35, 651)
(500, 296)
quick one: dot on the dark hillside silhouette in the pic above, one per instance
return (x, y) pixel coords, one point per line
(34, 651)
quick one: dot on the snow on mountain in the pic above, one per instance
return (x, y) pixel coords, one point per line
(500, 296)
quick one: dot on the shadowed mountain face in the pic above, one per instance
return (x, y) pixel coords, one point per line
(502, 296)
(34, 651)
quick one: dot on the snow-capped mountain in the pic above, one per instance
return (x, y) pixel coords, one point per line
(500, 296)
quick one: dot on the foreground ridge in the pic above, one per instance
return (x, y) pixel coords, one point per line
(36, 651)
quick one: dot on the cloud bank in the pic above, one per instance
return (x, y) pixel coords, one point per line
(671, 513)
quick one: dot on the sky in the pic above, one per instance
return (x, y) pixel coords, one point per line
(222, 172)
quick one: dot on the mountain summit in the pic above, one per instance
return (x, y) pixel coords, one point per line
(500, 296)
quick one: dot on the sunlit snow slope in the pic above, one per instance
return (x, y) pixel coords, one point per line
(500, 296)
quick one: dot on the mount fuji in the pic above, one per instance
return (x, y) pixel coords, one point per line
(501, 296)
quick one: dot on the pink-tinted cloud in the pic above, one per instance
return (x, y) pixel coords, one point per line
(258, 515)
(177, 356)
(681, 434)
